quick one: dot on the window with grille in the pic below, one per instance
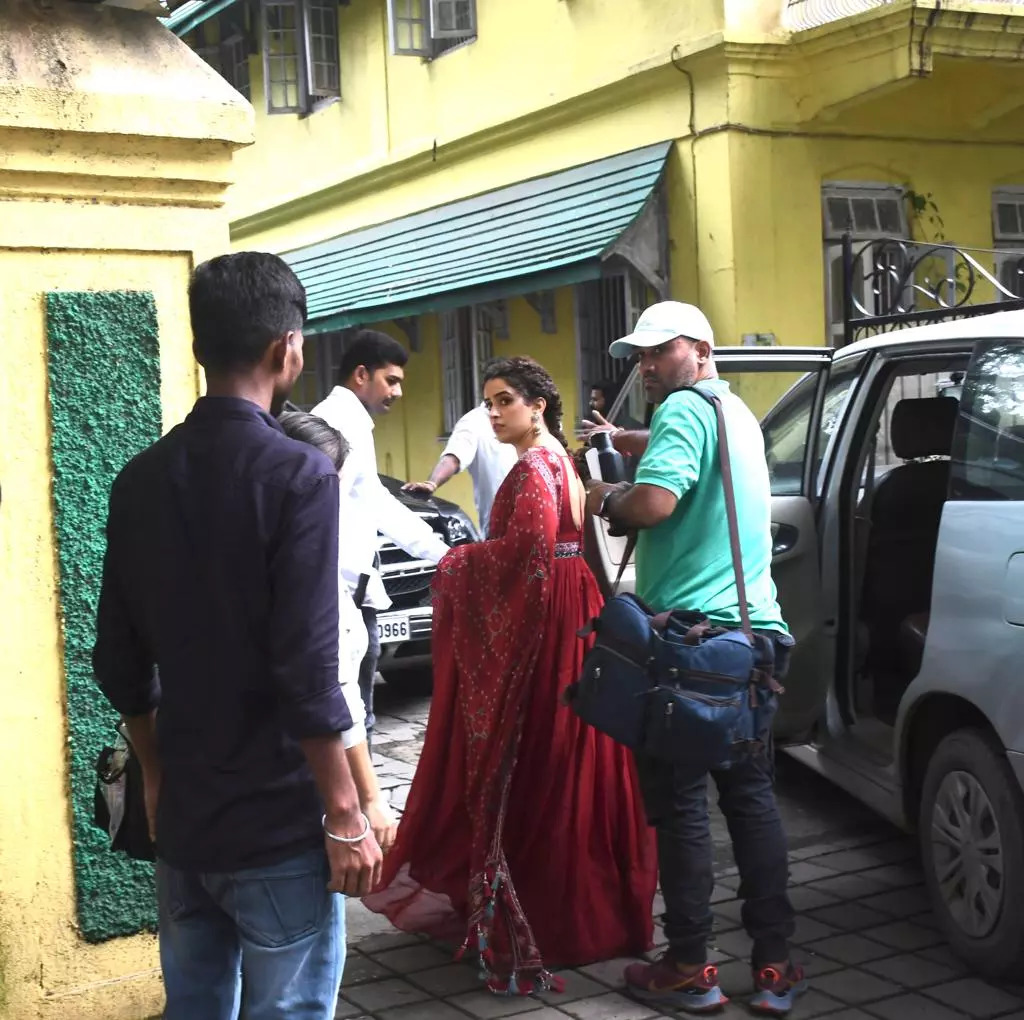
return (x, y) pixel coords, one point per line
(301, 62)
(225, 46)
(607, 309)
(866, 212)
(467, 344)
(1008, 236)
(428, 28)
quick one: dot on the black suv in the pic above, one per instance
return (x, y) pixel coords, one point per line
(405, 627)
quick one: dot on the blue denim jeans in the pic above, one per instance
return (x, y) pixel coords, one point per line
(261, 944)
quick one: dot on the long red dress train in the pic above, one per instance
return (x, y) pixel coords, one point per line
(524, 838)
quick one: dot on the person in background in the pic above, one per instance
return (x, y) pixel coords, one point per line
(684, 561)
(471, 447)
(524, 831)
(217, 641)
(369, 382)
(352, 638)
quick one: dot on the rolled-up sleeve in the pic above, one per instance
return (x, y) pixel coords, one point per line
(303, 640)
(121, 659)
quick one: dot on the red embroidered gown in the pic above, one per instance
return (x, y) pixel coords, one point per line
(524, 837)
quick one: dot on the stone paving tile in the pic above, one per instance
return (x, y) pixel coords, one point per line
(412, 958)
(380, 995)
(905, 936)
(909, 970)
(609, 972)
(423, 1011)
(577, 986)
(864, 857)
(485, 1006)
(849, 887)
(850, 1014)
(452, 979)
(734, 943)
(850, 949)
(808, 929)
(849, 916)
(854, 987)
(913, 1007)
(346, 1010)
(974, 997)
(610, 1006)
(804, 899)
(805, 871)
(896, 876)
(899, 902)
(812, 1004)
(359, 969)
(812, 963)
(944, 956)
(388, 940)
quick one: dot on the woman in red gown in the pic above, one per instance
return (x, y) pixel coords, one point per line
(524, 839)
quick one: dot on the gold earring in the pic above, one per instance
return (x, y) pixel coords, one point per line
(536, 423)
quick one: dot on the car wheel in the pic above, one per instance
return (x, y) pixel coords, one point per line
(971, 828)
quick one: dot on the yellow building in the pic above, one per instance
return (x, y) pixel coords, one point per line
(116, 146)
(520, 177)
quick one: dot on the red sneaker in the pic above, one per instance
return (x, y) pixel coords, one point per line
(665, 983)
(774, 993)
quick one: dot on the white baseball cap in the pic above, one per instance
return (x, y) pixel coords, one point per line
(661, 323)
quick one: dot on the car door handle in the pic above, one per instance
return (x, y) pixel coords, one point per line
(784, 538)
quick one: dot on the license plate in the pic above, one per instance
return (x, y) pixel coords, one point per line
(393, 629)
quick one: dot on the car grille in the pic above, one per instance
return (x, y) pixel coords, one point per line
(406, 580)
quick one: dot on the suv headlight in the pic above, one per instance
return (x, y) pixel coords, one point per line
(456, 532)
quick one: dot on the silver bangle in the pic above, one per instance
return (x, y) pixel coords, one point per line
(347, 839)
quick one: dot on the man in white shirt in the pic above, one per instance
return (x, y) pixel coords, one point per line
(370, 381)
(473, 447)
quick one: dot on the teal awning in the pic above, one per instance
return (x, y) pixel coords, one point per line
(536, 235)
(193, 13)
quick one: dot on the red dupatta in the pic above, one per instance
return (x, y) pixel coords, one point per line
(490, 602)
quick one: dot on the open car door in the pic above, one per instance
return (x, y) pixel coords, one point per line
(786, 387)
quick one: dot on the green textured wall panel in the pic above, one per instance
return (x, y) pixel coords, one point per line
(104, 383)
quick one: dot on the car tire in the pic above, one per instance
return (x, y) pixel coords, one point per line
(971, 830)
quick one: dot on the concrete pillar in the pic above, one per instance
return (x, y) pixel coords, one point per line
(116, 146)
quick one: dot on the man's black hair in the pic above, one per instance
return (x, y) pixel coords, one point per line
(608, 388)
(372, 350)
(239, 304)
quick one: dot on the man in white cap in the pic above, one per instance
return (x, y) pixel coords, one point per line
(683, 561)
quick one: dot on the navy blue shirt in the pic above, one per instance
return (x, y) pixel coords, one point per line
(219, 608)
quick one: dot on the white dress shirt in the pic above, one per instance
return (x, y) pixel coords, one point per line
(476, 448)
(369, 507)
(352, 637)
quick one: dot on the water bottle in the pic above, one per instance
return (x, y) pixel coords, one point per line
(610, 465)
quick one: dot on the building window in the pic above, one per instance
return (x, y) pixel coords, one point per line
(321, 361)
(867, 212)
(607, 309)
(225, 46)
(1008, 235)
(301, 61)
(428, 28)
(467, 344)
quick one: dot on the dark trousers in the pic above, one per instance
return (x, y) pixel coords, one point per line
(685, 862)
(368, 669)
(677, 805)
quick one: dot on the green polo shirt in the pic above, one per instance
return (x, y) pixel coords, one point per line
(685, 561)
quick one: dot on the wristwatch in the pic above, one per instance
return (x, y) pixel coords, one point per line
(602, 507)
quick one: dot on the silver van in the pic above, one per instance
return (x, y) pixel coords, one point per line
(897, 470)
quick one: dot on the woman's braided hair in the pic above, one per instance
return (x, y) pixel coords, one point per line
(532, 382)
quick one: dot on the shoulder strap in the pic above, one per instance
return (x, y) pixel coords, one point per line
(730, 513)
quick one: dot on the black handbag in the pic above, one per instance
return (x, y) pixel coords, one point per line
(119, 803)
(672, 685)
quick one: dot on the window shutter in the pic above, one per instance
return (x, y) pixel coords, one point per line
(280, 22)
(451, 369)
(452, 19)
(483, 345)
(322, 59)
(408, 24)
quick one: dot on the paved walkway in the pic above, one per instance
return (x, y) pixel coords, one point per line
(865, 934)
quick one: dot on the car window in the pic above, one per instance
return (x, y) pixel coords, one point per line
(988, 449)
(787, 427)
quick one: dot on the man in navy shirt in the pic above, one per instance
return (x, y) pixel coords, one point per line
(217, 640)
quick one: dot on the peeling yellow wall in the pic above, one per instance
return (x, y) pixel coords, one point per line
(115, 149)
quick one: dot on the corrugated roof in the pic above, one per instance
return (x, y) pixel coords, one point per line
(193, 13)
(539, 233)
